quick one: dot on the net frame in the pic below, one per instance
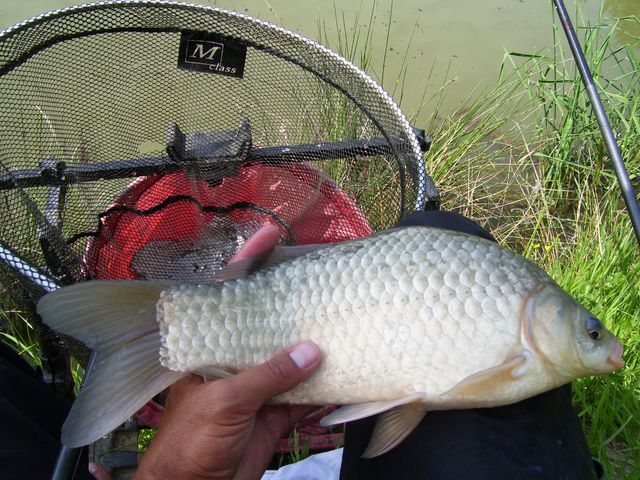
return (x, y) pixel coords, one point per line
(24, 40)
(27, 39)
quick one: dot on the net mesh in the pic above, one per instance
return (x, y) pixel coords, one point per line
(150, 139)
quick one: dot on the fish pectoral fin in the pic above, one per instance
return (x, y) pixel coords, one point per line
(349, 413)
(487, 382)
(392, 427)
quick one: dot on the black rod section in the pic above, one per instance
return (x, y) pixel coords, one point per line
(68, 458)
(66, 464)
(628, 192)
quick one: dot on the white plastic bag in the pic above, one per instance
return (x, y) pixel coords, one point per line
(321, 466)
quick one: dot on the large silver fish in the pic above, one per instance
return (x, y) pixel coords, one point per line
(408, 320)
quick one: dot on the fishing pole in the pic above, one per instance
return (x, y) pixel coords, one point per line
(628, 192)
(68, 458)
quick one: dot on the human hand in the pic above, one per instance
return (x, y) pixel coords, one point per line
(223, 429)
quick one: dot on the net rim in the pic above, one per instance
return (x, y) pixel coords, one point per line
(171, 4)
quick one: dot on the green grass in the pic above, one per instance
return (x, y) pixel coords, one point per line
(607, 285)
(527, 160)
(16, 331)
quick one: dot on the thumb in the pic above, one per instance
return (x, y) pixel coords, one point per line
(98, 472)
(255, 386)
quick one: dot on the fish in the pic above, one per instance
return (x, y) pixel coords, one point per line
(408, 320)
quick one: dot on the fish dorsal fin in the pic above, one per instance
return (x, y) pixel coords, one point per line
(393, 426)
(238, 269)
(245, 266)
(349, 413)
(486, 382)
(285, 253)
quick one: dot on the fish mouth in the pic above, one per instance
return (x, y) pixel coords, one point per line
(615, 357)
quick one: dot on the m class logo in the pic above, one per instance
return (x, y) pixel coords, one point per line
(211, 53)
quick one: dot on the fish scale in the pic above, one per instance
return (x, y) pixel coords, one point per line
(408, 320)
(403, 303)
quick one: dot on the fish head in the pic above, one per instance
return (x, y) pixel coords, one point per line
(568, 336)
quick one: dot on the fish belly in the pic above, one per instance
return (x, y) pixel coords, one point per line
(412, 310)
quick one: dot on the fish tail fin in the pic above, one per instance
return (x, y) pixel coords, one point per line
(117, 319)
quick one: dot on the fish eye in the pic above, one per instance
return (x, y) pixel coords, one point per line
(594, 328)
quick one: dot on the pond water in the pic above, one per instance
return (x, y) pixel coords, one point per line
(430, 42)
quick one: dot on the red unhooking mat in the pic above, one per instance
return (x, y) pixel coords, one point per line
(304, 203)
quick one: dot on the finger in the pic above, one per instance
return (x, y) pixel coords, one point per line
(260, 245)
(98, 472)
(255, 386)
(294, 414)
(186, 384)
(182, 388)
(280, 419)
(298, 412)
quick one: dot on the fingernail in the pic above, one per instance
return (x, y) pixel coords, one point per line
(92, 467)
(304, 354)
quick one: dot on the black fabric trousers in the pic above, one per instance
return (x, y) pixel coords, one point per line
(538, 438)
(31, 416)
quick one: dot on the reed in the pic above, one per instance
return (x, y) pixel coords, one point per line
(527, 161)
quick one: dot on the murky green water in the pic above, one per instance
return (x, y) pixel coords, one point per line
(437, 41)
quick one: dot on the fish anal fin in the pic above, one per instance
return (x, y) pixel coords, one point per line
(486, 382)
(349, 413)
(392, 427)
